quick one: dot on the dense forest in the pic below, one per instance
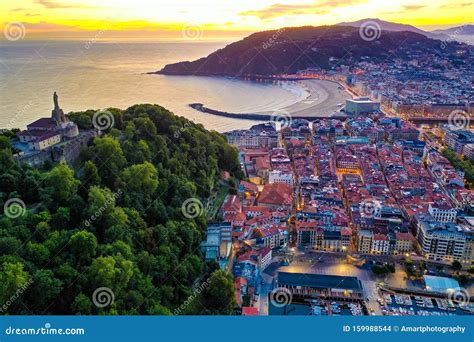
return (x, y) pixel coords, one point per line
(114, 220)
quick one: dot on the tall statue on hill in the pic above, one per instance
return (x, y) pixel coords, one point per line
(57, 114)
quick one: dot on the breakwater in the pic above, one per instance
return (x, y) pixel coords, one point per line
(258, 117)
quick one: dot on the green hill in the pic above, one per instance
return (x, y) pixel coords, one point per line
(115, 221)
(289, 50)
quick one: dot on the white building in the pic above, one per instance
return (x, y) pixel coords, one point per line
(265, 257)
(380, 244)
(277, 176)
(442, 241)
(361, 105)
(442, 212)
(365, 241)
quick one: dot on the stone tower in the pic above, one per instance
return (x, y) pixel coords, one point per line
(57, 116)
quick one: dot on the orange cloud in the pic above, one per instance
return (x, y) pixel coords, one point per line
(319, 7)
(51, 4)
(413, 7)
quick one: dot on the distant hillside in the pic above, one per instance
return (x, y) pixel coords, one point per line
(464, 30)
(289, 50)
(396, 27)
(464, 34)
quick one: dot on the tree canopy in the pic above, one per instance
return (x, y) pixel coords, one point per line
(114, 219)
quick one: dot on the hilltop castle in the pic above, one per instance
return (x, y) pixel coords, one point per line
(47, 132)
(51, 139)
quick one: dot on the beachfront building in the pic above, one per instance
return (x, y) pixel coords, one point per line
(361, 105)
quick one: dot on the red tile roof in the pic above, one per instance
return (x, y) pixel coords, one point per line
(232, 204)
(256, 209)
(276, 194)
(346, 231)
(264, 251)
(235, 219)
(262, 163)
(380, 237)
(250, 187)
(239, 281)
(43, 123)
(404, 236)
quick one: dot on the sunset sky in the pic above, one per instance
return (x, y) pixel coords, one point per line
(216, 18)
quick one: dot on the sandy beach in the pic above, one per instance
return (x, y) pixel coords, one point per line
(324, 97)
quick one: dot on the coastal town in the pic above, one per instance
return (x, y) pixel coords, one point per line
(355, 198)
(180, 171)
(411, 87)
(357, 214)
